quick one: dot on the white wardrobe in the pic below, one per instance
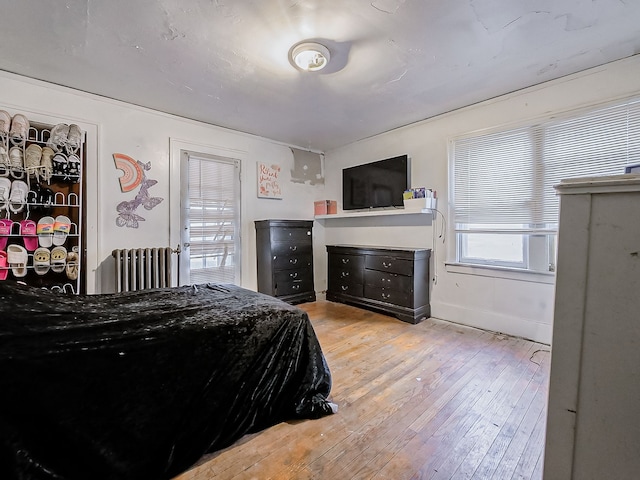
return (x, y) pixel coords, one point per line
(593, 423)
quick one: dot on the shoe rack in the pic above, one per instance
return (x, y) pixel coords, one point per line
(41, 198)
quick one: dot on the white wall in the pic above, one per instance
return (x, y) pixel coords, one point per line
(514, 305)
(116, 127)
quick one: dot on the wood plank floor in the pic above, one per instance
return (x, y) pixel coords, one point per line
(429, 401)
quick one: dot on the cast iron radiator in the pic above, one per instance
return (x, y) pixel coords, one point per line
(143, 268)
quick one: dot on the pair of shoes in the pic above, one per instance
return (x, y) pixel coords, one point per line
(40, 199)
(19, 131)
(13, 195)
(57, 259)
(17, 258)
(67, 136)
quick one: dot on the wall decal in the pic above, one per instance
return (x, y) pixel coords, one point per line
(132, 172)
(269, 181)
(134, 175)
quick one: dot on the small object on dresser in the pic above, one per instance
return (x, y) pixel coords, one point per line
(325, 207)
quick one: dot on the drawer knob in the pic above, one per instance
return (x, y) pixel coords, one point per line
(294, 275)
(345, 260)
(386, 296)
(293, 261)
(293, 248)
(344, 274)
(296, 287)
(344, 288)
(386, 265)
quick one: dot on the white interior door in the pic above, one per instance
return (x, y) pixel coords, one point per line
(210, 219)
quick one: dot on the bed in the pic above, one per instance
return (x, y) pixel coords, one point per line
(140, 385)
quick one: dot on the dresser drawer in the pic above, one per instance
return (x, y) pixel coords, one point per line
(287, 248)
(346, 288)
(389, 264)
(292, 275)
(291, 235)
(388, 280)
(396, 297)
(293, 260)
(291, 287)
(346, 262)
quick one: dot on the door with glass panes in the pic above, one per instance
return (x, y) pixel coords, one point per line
(210, 219)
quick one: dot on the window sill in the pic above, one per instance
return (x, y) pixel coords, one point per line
(501, 272)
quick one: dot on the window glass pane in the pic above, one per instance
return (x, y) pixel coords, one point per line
(494, 248)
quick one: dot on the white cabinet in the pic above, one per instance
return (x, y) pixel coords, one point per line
(593, 423)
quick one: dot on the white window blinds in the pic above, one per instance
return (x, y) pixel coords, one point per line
(213, 213)
(507, 177)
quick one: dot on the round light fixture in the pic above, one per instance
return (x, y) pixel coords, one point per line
(309, 56)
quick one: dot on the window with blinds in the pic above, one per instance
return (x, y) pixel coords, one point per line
(211, 219)
(505, 208)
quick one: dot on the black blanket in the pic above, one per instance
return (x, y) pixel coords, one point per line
(140, 385)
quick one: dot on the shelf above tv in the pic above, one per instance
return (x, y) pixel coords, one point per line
(375, 213)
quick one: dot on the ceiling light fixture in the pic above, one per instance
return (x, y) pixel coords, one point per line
(309, 56)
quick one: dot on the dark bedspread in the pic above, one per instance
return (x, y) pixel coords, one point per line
(140, 385)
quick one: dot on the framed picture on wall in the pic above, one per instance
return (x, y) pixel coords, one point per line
(269, 181)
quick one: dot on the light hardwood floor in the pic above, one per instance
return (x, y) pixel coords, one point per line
(434, 400)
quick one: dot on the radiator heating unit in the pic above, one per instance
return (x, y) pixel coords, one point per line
(143, 268)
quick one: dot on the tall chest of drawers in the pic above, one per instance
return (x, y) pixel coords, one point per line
(285, 259)
(391, 280)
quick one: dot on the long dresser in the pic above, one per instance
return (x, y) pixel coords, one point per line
(391, 280)
(285, 259)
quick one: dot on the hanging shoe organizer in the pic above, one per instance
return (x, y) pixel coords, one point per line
(41, 173)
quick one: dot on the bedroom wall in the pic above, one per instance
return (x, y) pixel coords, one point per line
(116, 127)
(516, 304)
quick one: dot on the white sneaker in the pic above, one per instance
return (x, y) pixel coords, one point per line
(74, 137)
(16, 159)
(19, 128)
(59, 136)
(5, 122)
(46, 164)
(32, 159)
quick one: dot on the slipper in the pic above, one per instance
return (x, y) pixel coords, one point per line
(60, 165)
(17, 257)
(4, 271)
(41, 260)
(5, 230)
(18, 197)
(5, 192)
(44, 230)
(19, 130)
(46, 164)
(72, 265)
(28, 231)
(58, 259)
(61, 229)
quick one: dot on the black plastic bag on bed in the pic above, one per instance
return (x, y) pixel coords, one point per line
(140, 385)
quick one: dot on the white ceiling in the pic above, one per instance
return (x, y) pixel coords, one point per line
(393, 62)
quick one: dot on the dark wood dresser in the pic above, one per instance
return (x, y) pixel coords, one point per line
(391, 280)
(285, 259)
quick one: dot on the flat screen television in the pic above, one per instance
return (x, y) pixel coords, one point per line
(376, 184)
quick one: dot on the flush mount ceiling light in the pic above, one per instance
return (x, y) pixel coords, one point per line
(309, 56)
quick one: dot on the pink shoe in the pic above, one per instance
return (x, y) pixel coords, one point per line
(4, 270)
(5, 230)
(28, 232)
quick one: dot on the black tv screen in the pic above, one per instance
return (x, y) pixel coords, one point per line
(376, 184)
